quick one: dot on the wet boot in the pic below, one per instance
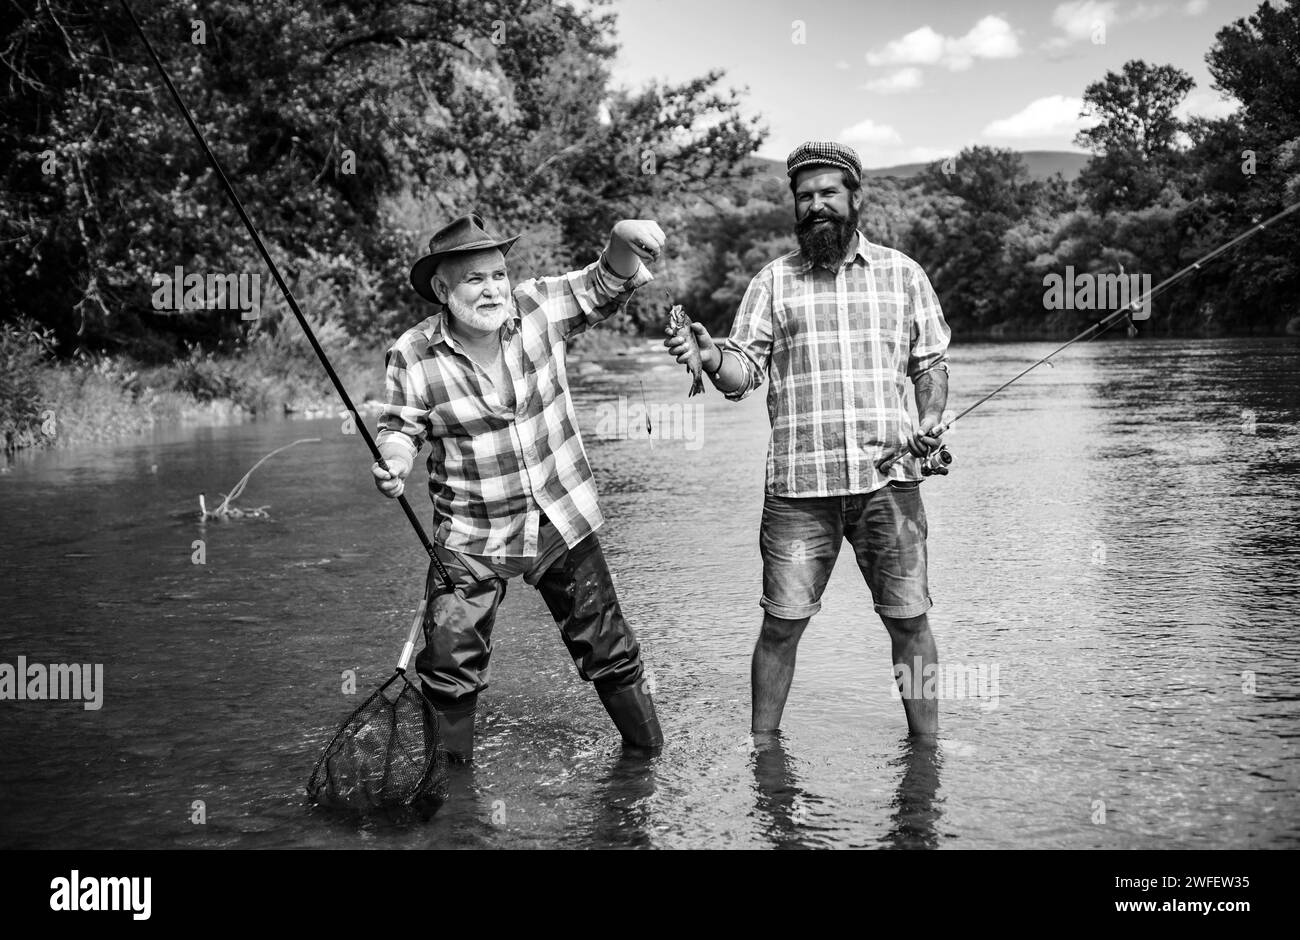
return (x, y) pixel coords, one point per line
(456, 728)
(633, 711)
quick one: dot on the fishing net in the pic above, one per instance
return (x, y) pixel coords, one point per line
(388, 753)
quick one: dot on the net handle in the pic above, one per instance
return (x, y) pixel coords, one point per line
(409, 648)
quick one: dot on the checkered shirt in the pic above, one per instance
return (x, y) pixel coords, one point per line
(837, 347)
(493, 469)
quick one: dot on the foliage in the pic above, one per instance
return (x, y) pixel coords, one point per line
(350, 129)
(353, 129)
(24, 347)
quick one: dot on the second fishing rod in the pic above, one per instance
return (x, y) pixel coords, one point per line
(940, 457)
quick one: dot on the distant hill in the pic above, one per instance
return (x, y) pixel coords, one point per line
(1041, 163)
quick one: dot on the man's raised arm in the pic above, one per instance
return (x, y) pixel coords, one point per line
(580, 299)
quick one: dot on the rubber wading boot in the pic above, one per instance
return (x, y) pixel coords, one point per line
(456, 728)
(633, 711)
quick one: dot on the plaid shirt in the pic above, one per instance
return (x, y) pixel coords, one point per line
(837, 347)
(494, 469)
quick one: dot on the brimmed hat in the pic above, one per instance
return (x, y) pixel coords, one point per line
(824, 153)
(463, 235)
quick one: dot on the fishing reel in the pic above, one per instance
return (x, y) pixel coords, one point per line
(936, 462)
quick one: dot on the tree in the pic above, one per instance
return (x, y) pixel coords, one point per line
(349, 128)
(1257, 61)
(958, 239)
(1136, 139)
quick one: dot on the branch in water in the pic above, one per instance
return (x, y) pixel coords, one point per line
(224, 510)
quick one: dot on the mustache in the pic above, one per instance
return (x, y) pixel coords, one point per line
(809, 220)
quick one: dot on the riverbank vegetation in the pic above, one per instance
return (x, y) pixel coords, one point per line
(353, 130)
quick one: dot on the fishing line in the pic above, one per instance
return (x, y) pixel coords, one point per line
(288, 295)
(1099, 327)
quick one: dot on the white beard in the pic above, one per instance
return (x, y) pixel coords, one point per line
(481, 321)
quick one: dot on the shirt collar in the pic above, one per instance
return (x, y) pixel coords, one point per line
(804, 265)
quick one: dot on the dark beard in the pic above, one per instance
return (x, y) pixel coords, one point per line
(825, 245)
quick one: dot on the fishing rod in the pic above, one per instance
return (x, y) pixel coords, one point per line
(288, 296)
(1105, 323)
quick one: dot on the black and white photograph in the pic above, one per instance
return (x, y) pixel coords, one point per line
(646, 424)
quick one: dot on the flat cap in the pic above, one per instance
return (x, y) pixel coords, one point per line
(824, 153)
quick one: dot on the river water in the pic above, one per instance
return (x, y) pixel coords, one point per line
(1115, 552)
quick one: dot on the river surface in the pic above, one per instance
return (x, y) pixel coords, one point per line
(1117, 538)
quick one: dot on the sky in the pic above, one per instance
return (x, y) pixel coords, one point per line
(917, 80)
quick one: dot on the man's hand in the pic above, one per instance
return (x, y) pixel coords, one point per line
(925, 440)
(631, 242)
(710, 355)
(391, 482)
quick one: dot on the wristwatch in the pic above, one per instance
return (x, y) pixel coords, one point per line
(722, 358)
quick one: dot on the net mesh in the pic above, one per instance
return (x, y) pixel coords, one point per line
(386, 755)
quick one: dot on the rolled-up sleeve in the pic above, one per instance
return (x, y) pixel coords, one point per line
(405, 416)
(930, 333)
(580, 299)
(751, 334)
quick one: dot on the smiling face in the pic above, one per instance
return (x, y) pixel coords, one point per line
(821, 191)
(826, 214)
(475, 286)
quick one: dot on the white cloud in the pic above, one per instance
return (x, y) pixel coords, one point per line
(902, 80)
(919, 47)
(842, 65)
(1079, 20)
(1203, 102)
(1052, 116)
(1196, 7)
(869, 132)
(990, 38)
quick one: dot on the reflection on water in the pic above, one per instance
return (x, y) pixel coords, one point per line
(788, 811)
(915, 811)
(1117, 538)
(781, 804)
(623, 804)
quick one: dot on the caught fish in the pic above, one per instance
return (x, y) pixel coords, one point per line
(679, 324)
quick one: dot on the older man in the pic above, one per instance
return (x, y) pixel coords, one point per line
(483, 381)
(837, 326)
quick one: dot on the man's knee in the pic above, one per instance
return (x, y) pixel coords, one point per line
(779, 631)
(907, 626)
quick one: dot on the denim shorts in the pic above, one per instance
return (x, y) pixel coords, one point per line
(800, 540)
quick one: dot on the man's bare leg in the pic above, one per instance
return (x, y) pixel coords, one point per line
(773, 669)
(910, 639)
